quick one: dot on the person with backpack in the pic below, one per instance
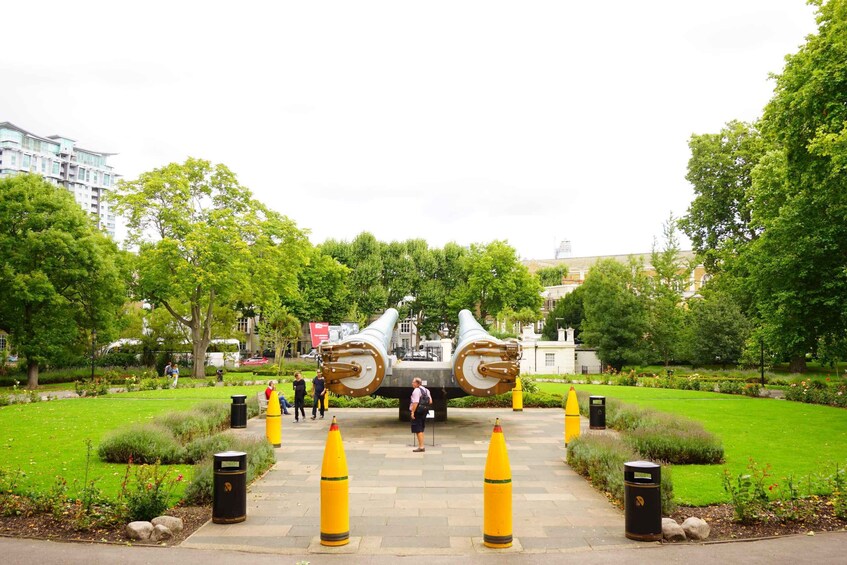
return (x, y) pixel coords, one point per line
(318, 393)
(421, 402)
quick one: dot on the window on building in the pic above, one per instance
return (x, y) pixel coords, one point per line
(549, 359)
(55, 167)
(242, 325)
(406, 327)
(25, 162)
(43, 166)
(14, 160)
(2, 342)
(106, 180)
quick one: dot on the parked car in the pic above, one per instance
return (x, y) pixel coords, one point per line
(420, 355)
(256, 361)
(313, 354)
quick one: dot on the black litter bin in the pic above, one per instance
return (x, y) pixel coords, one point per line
(229, 495)
(238, 411)
(597, 412)
(642, 488)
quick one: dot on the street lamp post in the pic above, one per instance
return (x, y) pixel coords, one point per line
(93, 343)
(762, 359)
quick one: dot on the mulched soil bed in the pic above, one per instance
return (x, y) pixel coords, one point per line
(818, 517)
(44, 526)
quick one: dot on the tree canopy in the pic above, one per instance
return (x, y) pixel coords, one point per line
(203, 241)
(615, 313)
(61, 279)
(552, 276)
(773, 216)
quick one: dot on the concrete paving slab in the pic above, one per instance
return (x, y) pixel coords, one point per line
(422, 503)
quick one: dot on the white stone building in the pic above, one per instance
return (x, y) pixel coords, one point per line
(560, 357)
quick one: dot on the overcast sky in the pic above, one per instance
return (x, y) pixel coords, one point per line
(532, 122)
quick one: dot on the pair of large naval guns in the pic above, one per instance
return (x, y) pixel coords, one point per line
(360, 365)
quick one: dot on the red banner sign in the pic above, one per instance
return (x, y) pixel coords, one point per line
(319, 331)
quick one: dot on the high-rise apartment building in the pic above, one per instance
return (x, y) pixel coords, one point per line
(58, 159)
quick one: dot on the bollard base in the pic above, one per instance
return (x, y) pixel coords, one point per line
(334, 540)
(597, 427)
(497, 542)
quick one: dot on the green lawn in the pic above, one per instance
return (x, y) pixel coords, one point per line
(47, 439)
(794, 438)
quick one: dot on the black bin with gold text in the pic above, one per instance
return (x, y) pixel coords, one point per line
(229, 495)
(642, 486)
(597, 412)
(238, 411)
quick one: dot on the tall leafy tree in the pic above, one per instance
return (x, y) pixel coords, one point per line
(280, 327)
(439, 295)
(716, 331)
(203, 241)
(664, 291)
(719, 219)
(616, 316)
(784, 255)
(60, 279)
(798, 267)
(363, 256)
(323, 293)
(552, 276)
(496, 279)
(567, 313)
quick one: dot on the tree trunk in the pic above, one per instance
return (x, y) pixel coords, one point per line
(797, 364)
(199, 347)
(31, 374)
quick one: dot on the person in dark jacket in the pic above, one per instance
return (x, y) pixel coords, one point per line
(299, 396)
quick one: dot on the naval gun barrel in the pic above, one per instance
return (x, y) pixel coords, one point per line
(356, 365)
(482, 364)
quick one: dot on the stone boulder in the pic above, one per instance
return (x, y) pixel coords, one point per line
(172, 523)
(160, 533)
(139, 530)
(696, 529)
(671, 531)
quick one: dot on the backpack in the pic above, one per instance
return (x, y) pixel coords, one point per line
(424, 404)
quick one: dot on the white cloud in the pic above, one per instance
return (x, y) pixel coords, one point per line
(463, 121)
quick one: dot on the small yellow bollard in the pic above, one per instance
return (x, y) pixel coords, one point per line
(325, 401)
(273, 422)
(335, 503)
(571, 416)
(517, 396)
(497, 493)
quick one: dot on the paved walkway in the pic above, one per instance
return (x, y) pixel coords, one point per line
(405, 503)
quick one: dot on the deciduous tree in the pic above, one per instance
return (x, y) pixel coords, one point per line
(615, 313)
(60, 278)
(205, 242)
